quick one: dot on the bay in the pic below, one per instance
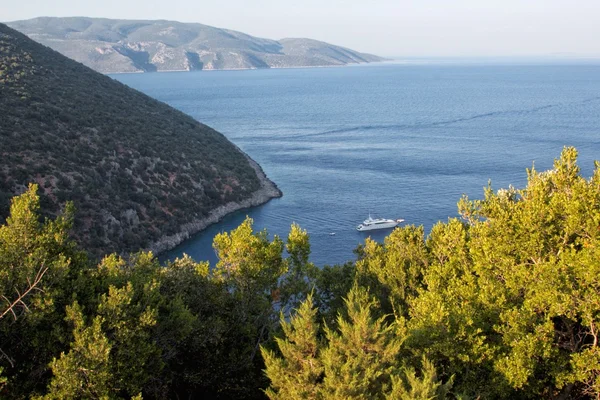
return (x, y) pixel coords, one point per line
(392, 140)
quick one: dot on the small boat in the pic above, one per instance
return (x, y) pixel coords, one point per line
(370, 224)
(331, 233)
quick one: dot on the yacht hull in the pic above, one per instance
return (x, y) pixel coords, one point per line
(371, 224)
(362, 228)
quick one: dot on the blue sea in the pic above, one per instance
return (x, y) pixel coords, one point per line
(390, 140)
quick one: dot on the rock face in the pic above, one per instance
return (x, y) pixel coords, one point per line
(111, 46)
(267, 191)
(141, 174)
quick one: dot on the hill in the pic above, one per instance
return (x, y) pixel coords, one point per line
(110, 46)
(141, 174)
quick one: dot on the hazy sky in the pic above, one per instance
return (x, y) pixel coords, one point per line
(384, 27)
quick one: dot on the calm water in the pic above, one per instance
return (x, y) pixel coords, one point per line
(394, 140)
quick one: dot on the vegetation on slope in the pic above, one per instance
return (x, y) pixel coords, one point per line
(501, 304)
(135, 168)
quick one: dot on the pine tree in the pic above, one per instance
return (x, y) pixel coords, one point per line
(114, 356)
(38, 267)
(297, 374)
(83, 372)
(299, 279)
(249, 264)
(362, 354)
(408, 386)
(393, 271)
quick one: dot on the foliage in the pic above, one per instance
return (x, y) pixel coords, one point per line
(507, 301)
(409, 386)
(131, 326)
(248, 262)
(358, 360)
(501, 304)
(31, 332)
(394, 269)
(83, 372)
(504, 304)
(301, 275)
(362, 355)
(298, 373)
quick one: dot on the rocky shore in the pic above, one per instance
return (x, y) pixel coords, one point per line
(268, 191)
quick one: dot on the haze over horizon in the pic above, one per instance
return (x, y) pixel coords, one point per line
(429, 28)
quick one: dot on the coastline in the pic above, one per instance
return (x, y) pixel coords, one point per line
(248, 69)
(267, 191)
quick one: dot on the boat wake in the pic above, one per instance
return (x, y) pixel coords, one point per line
(524, 111)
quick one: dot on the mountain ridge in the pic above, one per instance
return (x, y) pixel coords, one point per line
(119, 45)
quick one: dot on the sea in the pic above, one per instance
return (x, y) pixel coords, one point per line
(390, 140)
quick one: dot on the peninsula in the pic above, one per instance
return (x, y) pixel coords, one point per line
(114, 46)
(141, 174)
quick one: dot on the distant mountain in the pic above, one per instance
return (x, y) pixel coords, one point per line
(141, 174)
(109, 45)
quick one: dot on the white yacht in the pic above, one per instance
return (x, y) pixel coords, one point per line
(370, 224)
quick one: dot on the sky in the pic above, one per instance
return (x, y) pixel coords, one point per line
(390, 28)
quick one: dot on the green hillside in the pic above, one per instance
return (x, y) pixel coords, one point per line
(136, 169)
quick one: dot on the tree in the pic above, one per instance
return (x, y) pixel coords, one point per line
(249, 264)
(300, 276)
(393, 272)
(504, 303)
(362, 355)
(114, 356)
(358, 360)
(298, 372)
(39, 265)
(250, 267)
(409, 386)
(510, 300)
(332, 284)
(83, 372)
(26, 251)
